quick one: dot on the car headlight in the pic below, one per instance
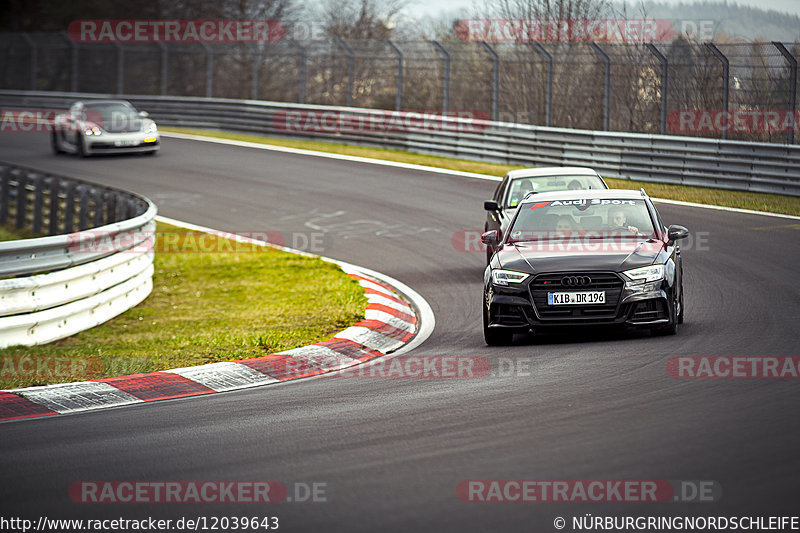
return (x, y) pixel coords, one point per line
(645, 274)
(150, 127)
(91, 129)
(504, 277)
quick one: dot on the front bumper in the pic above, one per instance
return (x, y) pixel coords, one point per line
(525, 306)
(119, 143)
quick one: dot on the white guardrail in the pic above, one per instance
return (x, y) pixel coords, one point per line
(735, 165)
(75, 280)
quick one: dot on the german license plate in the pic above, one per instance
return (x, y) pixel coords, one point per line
(126, 142)
(576, 298)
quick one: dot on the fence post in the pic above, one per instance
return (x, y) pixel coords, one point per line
(495, 77)
(209, 69)
(120, 68)
(34, 57)
(725, 81)
(793, 89)
(446, 82)
(606, 82)
(303, 69)
(548, 94)
(5, 177)
(164, 57)
(664, 83)
(351, 66)
(398, 100)
(256, 59)
(73, 77)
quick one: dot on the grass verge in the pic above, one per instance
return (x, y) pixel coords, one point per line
(213, 300)
(746, 200)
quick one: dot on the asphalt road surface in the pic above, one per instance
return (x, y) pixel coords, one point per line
(389, 453)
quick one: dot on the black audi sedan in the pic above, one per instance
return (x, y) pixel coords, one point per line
(583, 258)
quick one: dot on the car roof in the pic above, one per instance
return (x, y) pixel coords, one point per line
(551, 171)
(622, 194)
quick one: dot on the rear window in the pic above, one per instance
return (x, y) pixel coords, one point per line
(520, 187)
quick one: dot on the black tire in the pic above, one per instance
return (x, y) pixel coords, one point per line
(495, 336)
(54, 143)
(79, 144)
(680, 312)
(672, 327)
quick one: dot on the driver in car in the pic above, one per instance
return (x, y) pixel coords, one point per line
(618, 220)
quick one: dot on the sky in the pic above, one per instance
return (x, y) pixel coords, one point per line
(419, 8)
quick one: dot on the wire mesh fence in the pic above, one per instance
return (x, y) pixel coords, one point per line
(742, 91)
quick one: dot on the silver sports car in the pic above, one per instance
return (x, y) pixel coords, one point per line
(104, 127)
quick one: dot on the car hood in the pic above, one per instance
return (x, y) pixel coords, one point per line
(574, 256)
(131, 126)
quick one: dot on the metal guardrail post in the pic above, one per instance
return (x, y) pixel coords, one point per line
(351, 67)
(209, 69)
(34, 57)
(4, 195)
(97, 200)
(22, 200)
(725, 81)
(69, 209)
(120, 68)
(606, 83)
(548, 93)
(55, 189)
(164, 69)
(664, 83)
(446, 81)
(495, 77)
(83, 207)
(792, 104)
(303, 69)
(398, 100)
(38, 201)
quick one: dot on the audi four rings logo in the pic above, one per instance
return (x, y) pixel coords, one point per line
(575, 281)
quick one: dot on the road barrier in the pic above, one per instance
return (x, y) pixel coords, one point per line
(96, 263)
(734, 165)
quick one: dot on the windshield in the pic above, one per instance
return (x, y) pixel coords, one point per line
(597, 218)
(114, 115)
(519, 187)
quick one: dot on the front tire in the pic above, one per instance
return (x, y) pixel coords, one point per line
(54, 144)
(81, 147)
(495, 336)
(672, 327)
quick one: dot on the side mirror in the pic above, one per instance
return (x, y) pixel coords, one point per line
(490, 205)
(491, 238)
(675, 232)
(144, 114)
